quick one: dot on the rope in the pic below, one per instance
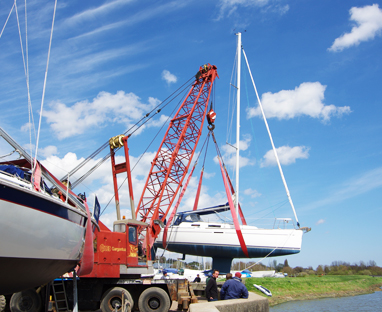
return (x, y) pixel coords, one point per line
(9, 154)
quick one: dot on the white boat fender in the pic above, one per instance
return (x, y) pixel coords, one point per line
(263, 290)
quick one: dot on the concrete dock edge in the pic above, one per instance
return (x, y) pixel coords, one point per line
(254, 303)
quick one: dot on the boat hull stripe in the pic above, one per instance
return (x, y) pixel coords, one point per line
(29, 200)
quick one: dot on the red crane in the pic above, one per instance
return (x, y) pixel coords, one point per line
(171, 163)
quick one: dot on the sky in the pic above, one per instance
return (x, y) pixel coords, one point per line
(317, 67)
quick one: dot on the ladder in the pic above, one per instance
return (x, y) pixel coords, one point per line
(59, 294)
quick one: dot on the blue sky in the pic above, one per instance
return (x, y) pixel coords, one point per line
(317, 67)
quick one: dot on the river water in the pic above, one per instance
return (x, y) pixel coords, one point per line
(363, 303)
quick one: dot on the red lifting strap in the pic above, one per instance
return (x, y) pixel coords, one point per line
(198, 191)
(87, 260)
(233, 212)
(233, 192)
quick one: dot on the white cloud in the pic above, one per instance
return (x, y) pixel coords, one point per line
(26, 127)
(362, 184)
(106, 8)
(95, 12)
(306, 99)
(286, 154)
(230, 7)
(252, 193)
(168, 77)
(125, 108)
(368, 20)
(48, 151)
(229, 154)
(208, 175)
(321, 221)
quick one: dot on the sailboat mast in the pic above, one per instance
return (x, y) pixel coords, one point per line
(238, 120)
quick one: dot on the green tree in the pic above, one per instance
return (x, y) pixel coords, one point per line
(288, 270)
(320, 270)
(286, 263)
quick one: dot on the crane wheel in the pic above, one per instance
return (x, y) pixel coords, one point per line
(154, 299)
(113, 298)
(2, 303)
(25, 301)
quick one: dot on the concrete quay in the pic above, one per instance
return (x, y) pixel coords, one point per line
(254, 303)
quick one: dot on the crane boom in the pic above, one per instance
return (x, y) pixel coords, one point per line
(171, 163)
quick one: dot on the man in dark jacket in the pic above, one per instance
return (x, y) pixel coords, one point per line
(212, 288)
(234, 288)
(197, 279)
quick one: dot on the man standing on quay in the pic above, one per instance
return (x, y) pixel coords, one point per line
(212, 288)
(234, 288)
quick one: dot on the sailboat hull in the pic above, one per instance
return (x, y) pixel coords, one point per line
(220, 240)
(41, 236)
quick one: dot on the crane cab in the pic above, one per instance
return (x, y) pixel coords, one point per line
(116, 252)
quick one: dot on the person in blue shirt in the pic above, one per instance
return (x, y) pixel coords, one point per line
(234, 288)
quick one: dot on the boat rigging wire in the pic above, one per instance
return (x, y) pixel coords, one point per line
(270, 137)
(229, 124)
(6, 22)
(26, 73)
(44, 86)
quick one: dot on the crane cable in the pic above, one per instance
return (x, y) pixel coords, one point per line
(143, 120)
(176, 107)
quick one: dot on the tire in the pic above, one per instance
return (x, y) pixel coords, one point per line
(25, 301)
(112, 297)
(2, 303)
(154, 299)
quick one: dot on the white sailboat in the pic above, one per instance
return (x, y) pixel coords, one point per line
(193, 232)
(44, 234)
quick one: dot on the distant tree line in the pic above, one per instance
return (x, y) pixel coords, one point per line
(336, 268)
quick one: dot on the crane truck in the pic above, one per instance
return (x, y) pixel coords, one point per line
(121, 272)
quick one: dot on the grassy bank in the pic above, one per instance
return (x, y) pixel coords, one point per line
(314, 287)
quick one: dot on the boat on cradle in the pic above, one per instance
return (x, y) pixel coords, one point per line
(42, 236)
(263, 290)
(193, 232)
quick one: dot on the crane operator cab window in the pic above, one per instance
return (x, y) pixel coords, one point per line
(120, 228)
(132, 235)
